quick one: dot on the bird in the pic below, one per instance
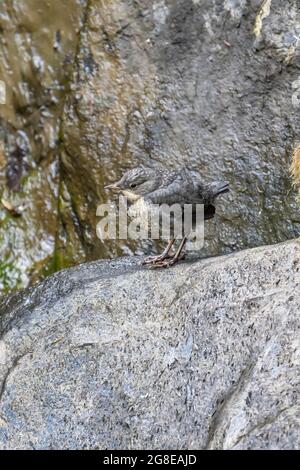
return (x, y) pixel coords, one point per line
(157, 186)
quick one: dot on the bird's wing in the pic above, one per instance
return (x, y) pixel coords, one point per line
(178, 190)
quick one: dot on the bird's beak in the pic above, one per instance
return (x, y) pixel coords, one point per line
(113, 187)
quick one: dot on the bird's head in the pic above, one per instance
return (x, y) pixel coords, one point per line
(136, 183)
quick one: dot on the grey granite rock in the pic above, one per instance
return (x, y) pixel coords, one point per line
(112, 355)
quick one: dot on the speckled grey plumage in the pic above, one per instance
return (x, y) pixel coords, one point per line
(157, 188)
(162, 186)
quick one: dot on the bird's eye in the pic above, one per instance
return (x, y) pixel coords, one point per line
(133, 185)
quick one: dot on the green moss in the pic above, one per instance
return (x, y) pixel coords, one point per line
(9, 276)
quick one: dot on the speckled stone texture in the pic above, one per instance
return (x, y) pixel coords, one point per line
(112, 355)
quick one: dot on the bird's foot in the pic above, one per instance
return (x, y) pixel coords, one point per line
(155, 259)
(167, 262)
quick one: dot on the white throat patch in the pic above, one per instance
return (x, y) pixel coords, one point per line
(131, 195)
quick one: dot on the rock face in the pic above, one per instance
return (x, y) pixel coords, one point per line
(112, 355)
(213, 85)
(37, 53)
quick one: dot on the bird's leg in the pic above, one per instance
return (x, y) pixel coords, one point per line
(162, 256)
(166, 263)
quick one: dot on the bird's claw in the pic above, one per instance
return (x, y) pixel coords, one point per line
(166, 262)
(154, 259)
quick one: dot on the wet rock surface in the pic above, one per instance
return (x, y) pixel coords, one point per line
(210, 85)
(101, 86)
(37, 52)
(103, 356)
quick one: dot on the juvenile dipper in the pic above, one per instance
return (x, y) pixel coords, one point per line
(161, 186)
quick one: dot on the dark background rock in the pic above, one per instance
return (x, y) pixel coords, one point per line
(213, 85)
(204, 84)
(103, 356)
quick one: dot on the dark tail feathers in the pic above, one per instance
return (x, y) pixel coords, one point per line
(218, 187)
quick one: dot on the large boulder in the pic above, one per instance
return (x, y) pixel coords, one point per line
(113, 355)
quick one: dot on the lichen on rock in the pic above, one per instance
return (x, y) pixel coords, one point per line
(295, 168)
